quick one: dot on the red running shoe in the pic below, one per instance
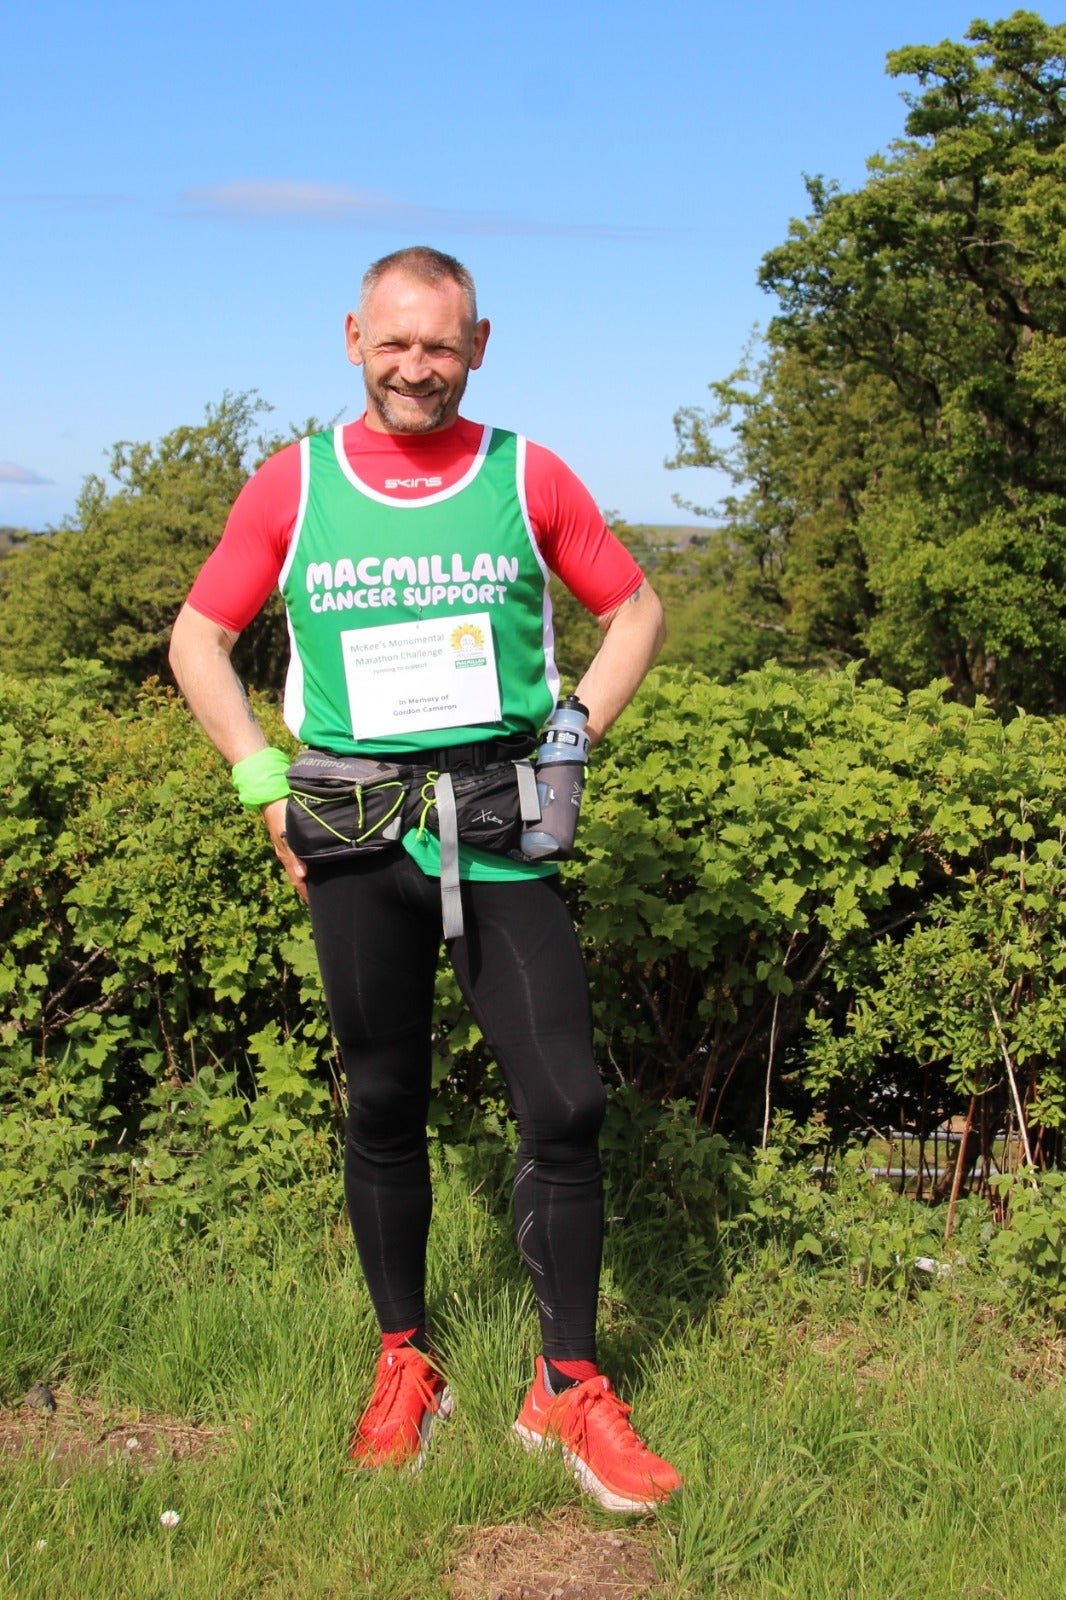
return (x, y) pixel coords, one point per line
(600, 1446)
(409, 1395)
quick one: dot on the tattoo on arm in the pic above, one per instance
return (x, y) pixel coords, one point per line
(247, 703)
(635, 596)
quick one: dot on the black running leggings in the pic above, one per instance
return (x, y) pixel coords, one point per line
(377, 927)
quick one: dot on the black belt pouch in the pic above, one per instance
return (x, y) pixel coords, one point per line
(343, 805)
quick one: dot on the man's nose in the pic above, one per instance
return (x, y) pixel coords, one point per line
(414, 364)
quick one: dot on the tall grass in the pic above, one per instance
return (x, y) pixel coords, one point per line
(833, 1444)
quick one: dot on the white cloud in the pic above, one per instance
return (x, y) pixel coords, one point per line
(294, 200)
(311, 204)
(11, 472)
(277, 198)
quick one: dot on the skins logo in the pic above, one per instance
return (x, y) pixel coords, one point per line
(413, 483)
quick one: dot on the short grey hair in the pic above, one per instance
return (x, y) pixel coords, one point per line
(420, 261)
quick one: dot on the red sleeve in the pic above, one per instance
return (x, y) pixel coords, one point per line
(235, 581)
(574, 540)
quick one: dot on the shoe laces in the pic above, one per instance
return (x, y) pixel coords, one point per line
(601, 1410)
(398, 1370)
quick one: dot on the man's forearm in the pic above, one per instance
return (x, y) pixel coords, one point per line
(200, 660)
(633, 637)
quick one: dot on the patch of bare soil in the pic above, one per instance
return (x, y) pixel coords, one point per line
(561, 1558)
(82, 1433)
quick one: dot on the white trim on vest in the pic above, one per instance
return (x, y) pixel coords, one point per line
(423, 500)
(294, 708)
(301, 511)
(551, 671)
(294, 705)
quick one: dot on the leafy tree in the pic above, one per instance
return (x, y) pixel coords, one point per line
(898, 447)
(109, 582)
(789, 575)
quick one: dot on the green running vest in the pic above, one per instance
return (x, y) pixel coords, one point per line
(361, 560)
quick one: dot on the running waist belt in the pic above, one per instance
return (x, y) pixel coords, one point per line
(342, 806)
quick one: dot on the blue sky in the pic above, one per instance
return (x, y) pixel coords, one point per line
(192, 194)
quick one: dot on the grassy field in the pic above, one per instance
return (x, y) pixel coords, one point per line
(834, 1443)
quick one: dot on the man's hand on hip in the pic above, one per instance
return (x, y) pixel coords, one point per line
(274, 817)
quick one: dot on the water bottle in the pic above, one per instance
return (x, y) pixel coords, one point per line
(560, 771)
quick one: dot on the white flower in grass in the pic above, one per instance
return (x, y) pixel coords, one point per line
(42, 1544)
(169, 1519)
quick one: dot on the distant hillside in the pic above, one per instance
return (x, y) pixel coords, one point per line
(648, 540)
(14, 539)
(670, 535)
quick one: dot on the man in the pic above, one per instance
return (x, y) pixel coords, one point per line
(374, 533)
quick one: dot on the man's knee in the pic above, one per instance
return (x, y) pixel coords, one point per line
(386, 1117)
(574, 1119)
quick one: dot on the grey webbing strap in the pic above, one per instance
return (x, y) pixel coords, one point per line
(448, 833)
(528, 798)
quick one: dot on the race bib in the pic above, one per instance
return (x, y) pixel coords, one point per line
(412, 677)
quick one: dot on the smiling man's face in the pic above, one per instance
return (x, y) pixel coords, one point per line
(416, 344)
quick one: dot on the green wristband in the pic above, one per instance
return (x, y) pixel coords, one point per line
(261, 777)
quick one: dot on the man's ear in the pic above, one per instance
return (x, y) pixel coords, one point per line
(353, 339)
(479, 341)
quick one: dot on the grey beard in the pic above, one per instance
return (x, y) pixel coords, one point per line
(430, 421)
(383, 400)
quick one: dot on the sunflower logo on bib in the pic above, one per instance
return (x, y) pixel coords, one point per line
(468, 642)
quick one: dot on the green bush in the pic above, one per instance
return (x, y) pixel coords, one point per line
(816, 883)
(798, 895)
(1030, 1255)
(161, 1004)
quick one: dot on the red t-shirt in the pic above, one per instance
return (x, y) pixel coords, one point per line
(573, 539)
